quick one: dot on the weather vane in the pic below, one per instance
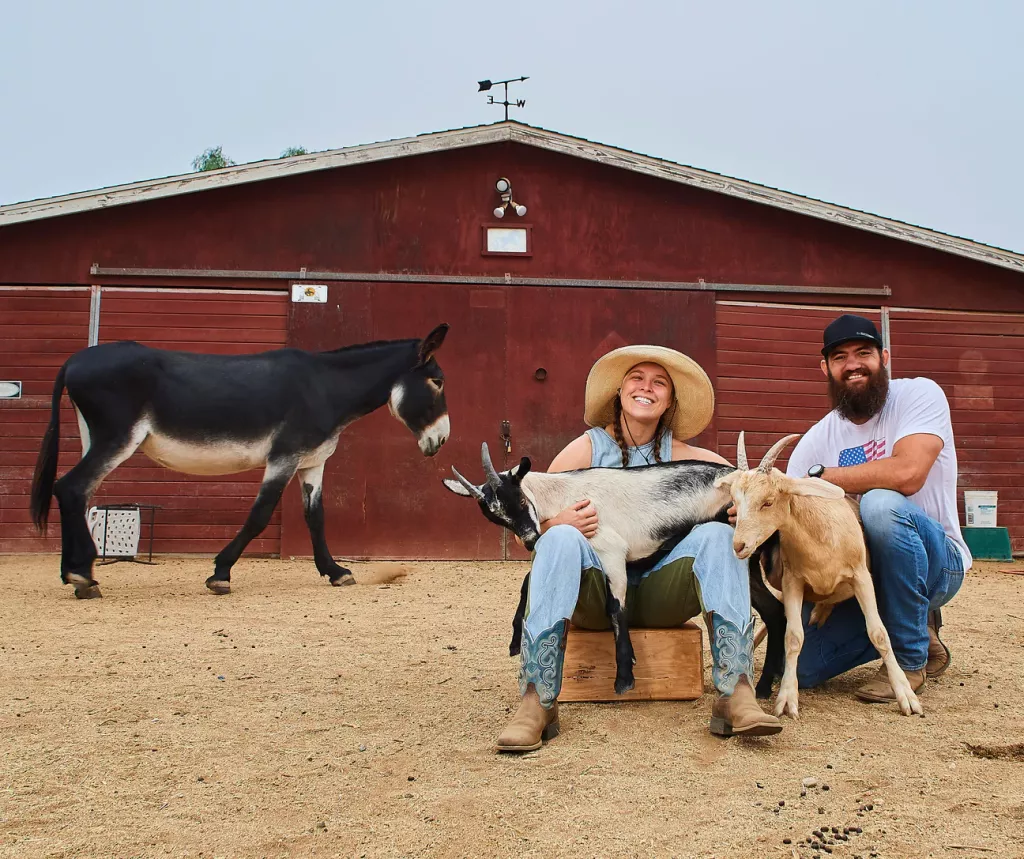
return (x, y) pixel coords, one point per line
(519, 102)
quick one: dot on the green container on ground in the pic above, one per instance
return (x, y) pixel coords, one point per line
(988, 544)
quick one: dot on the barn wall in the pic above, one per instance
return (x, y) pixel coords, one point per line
(424, 215)
(39, 330)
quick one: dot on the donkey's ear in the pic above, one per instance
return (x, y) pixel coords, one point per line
(814, 487)
(456, 487)
(520, 471)
(432, 342)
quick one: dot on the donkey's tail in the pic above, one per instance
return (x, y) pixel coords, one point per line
(46, 464)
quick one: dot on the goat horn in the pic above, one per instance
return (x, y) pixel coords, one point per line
(773, 454)
(741, 453)
(492, 475)
(472, 487)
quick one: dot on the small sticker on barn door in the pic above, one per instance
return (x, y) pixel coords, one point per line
(315, 293)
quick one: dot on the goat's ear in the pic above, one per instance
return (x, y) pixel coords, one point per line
(432, 342)
(456, 487)
(520, 471)
(814, 487)
(727, 480)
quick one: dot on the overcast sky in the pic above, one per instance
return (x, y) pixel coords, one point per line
(911, 110)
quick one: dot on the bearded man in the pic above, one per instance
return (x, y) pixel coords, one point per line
(891, 443)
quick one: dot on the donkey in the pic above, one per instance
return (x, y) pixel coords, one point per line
(222, 414)
(641, 510)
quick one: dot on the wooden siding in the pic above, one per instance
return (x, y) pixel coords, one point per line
(977, 359)
(198, 514)
(769, 375)
(39, 330)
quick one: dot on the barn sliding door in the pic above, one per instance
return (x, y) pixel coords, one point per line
(198, 514)
(770, 382)
(515, 355)
(977, 359)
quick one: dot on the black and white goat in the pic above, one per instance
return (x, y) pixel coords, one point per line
(640, 511)
(221, 414)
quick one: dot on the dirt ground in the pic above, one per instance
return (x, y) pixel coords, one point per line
(290, 718)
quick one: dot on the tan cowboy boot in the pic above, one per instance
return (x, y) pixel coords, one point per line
(878, 690)
(530, 726)
(740, 715)
(939, 656)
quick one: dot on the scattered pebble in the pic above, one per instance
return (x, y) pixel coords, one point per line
(362, 748)
(810, 781)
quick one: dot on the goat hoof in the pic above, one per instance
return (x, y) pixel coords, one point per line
(218, 586)
(88, 592)
(623, 686)
(342, 581)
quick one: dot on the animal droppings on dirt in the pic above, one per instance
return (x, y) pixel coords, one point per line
(1014, 752)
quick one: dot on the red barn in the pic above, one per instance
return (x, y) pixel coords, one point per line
(614, 247)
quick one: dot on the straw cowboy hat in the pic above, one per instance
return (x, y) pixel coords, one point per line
(695, 398)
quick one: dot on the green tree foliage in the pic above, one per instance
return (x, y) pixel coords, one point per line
(212, 159)
(294, 150)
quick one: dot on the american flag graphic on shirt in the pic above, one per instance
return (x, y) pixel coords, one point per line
(865, 453)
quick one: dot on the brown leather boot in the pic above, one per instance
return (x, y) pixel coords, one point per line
(530, 726)
(939, 656)
(739, 714)
(878, 690)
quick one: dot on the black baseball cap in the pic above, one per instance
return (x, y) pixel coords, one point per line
(850, 327)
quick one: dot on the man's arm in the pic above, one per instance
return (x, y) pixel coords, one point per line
(905, 471)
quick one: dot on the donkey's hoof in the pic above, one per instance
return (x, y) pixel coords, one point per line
(88, 592)
(218, 586)
(342, 581)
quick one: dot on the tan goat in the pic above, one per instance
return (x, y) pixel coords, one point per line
(824, 558)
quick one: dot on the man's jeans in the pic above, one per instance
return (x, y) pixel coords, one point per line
(916, 568)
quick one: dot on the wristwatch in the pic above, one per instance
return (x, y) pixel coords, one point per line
(816, 470)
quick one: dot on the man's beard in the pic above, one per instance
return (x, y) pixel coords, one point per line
(859, 405)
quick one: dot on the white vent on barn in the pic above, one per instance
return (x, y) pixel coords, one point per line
(115, 532)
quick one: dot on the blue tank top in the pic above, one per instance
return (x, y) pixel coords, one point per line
(607, 453)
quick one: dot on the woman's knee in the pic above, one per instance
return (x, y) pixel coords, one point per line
(712, 534)
(560, 537)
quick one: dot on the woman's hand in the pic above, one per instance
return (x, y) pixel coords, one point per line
(731, 513)
(582, 516)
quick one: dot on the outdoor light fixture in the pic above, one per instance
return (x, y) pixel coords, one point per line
(504, 188)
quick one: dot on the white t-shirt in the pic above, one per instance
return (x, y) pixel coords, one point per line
(913, 406)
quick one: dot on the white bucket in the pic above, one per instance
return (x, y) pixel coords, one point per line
(980, 507)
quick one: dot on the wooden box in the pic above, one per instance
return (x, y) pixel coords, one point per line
(669, 665)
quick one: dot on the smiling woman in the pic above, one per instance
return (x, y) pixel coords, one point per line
(642, 404)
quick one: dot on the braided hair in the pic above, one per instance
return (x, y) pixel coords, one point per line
(621, 442)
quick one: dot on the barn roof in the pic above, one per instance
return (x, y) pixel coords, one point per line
(507, 131)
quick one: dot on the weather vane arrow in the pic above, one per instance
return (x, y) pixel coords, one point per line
(486, 85)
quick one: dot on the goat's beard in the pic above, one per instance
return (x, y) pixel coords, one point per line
(859, 405)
